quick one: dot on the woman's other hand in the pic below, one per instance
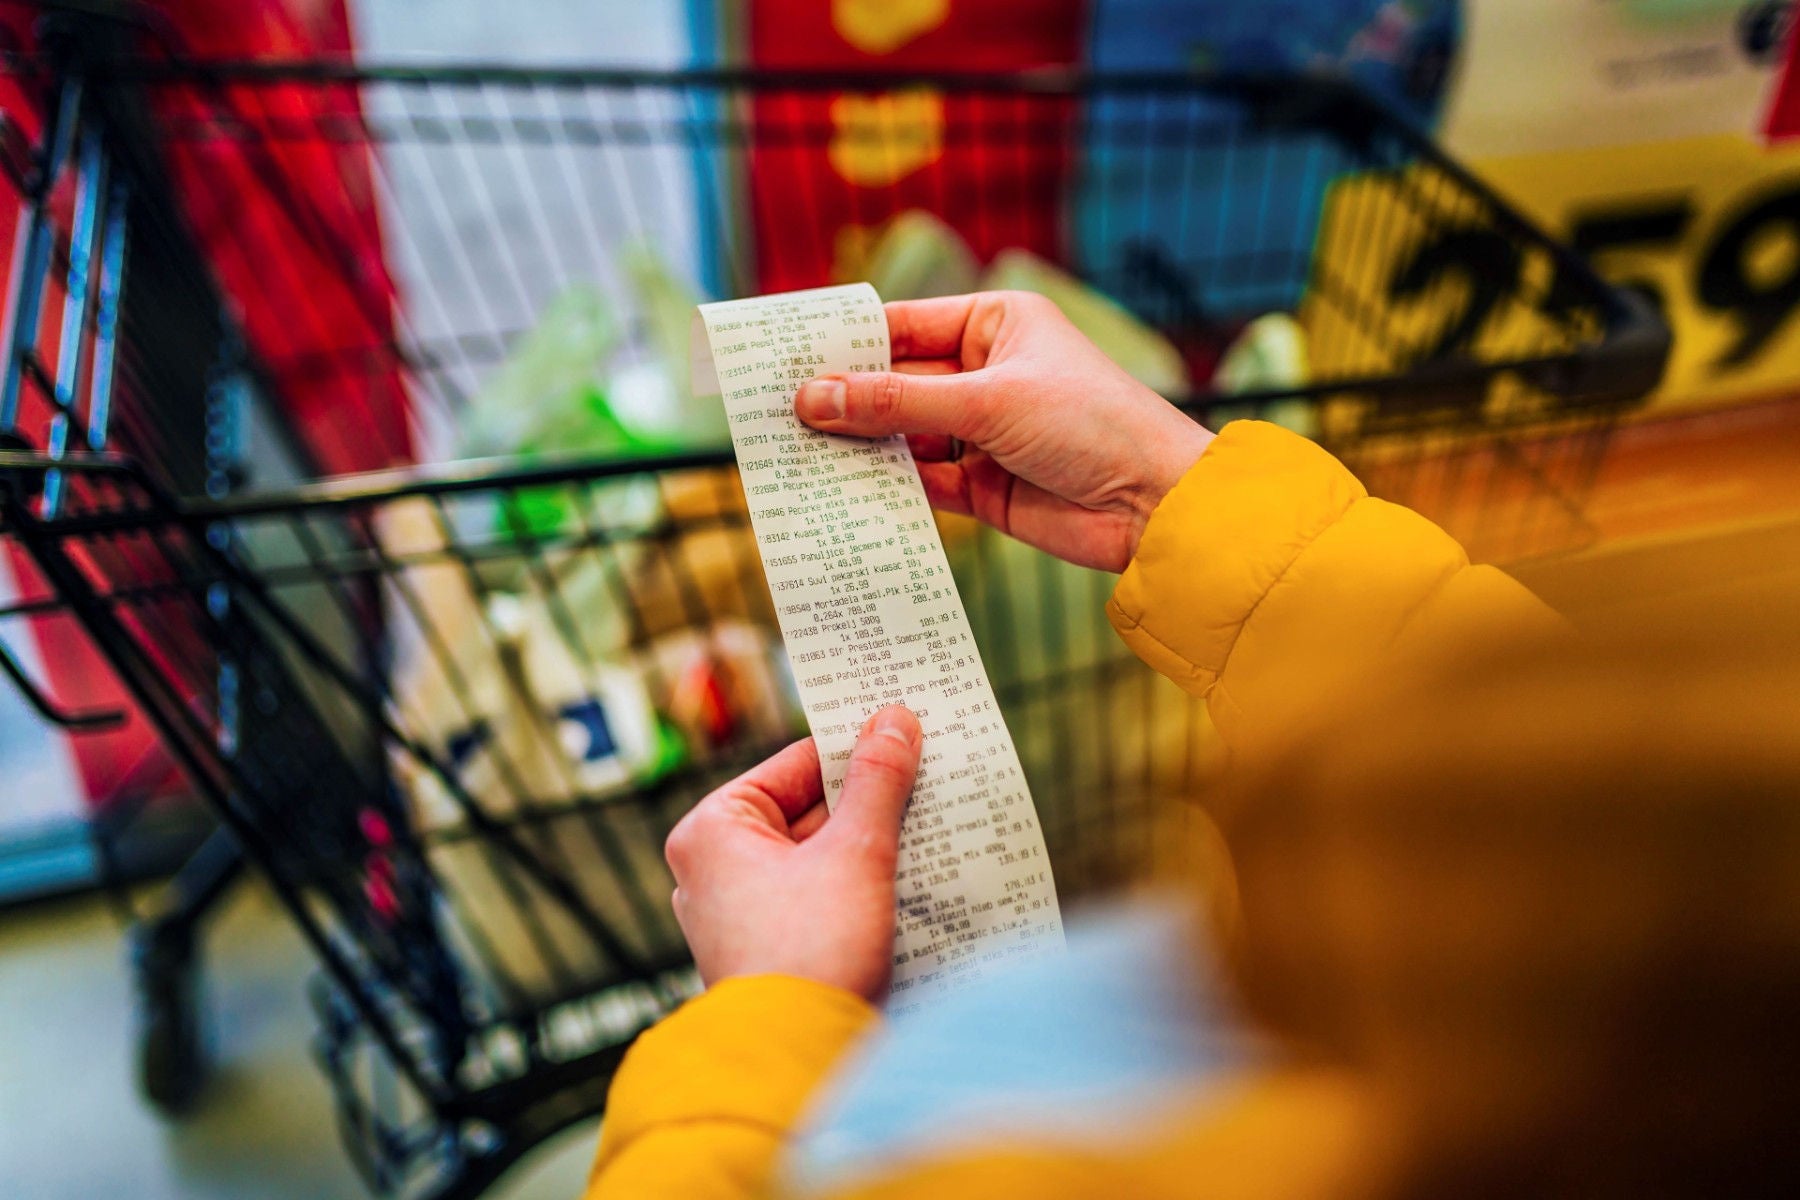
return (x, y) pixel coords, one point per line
(767, 883)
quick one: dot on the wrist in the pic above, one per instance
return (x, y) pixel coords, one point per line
(1168, 459)
(843, 992)
(869, 986)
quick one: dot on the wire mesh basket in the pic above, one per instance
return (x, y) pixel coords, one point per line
(451, 712)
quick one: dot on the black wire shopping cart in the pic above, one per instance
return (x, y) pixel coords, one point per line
(450, 712)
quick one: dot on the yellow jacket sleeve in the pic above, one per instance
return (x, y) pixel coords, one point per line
(704, 1101)
(1269, 582)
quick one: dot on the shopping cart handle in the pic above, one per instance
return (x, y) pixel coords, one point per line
(77, 721)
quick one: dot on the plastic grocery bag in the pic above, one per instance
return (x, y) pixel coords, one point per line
(1146, 355)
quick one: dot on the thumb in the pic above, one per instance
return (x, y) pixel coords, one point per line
(877, 403)
(878, 783)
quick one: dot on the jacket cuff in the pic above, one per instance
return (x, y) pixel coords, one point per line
(749, 1050)
(1258, 497)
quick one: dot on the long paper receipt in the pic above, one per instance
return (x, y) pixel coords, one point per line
(871, 617)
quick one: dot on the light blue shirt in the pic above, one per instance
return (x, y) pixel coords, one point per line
(1085, 1047)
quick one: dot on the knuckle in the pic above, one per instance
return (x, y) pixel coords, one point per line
(887, 395)
(1028, 303)
(681, 845)
(887, 767)
(979, 408)
(873, 847)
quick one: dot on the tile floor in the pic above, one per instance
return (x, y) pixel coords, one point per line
(72, 1125)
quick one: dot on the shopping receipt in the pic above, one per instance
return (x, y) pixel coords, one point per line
(871, 617)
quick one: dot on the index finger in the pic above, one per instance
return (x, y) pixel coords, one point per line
(928, 328)
(787, 782)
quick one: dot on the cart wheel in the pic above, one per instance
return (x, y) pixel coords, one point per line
(171, 1055)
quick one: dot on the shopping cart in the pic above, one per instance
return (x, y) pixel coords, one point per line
(450, 712)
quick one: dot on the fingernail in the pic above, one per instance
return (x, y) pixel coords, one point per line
(822, 400)
(897, 725)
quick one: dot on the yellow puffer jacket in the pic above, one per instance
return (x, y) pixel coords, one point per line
(1271, 584)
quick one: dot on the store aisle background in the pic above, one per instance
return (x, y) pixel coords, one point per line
(71, 1122)
(42, 787)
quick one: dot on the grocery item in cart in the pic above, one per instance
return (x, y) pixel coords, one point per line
(1146, 355)
(653, 396)
(549, 400)
(547, 396)
(597, 672)
(919, 256)
(559, 740)
(1269, 355)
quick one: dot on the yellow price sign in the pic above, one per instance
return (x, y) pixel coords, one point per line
(1707, 228)
(1409, 272)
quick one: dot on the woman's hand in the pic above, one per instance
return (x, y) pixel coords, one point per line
(1062, 449)
(766, 883)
